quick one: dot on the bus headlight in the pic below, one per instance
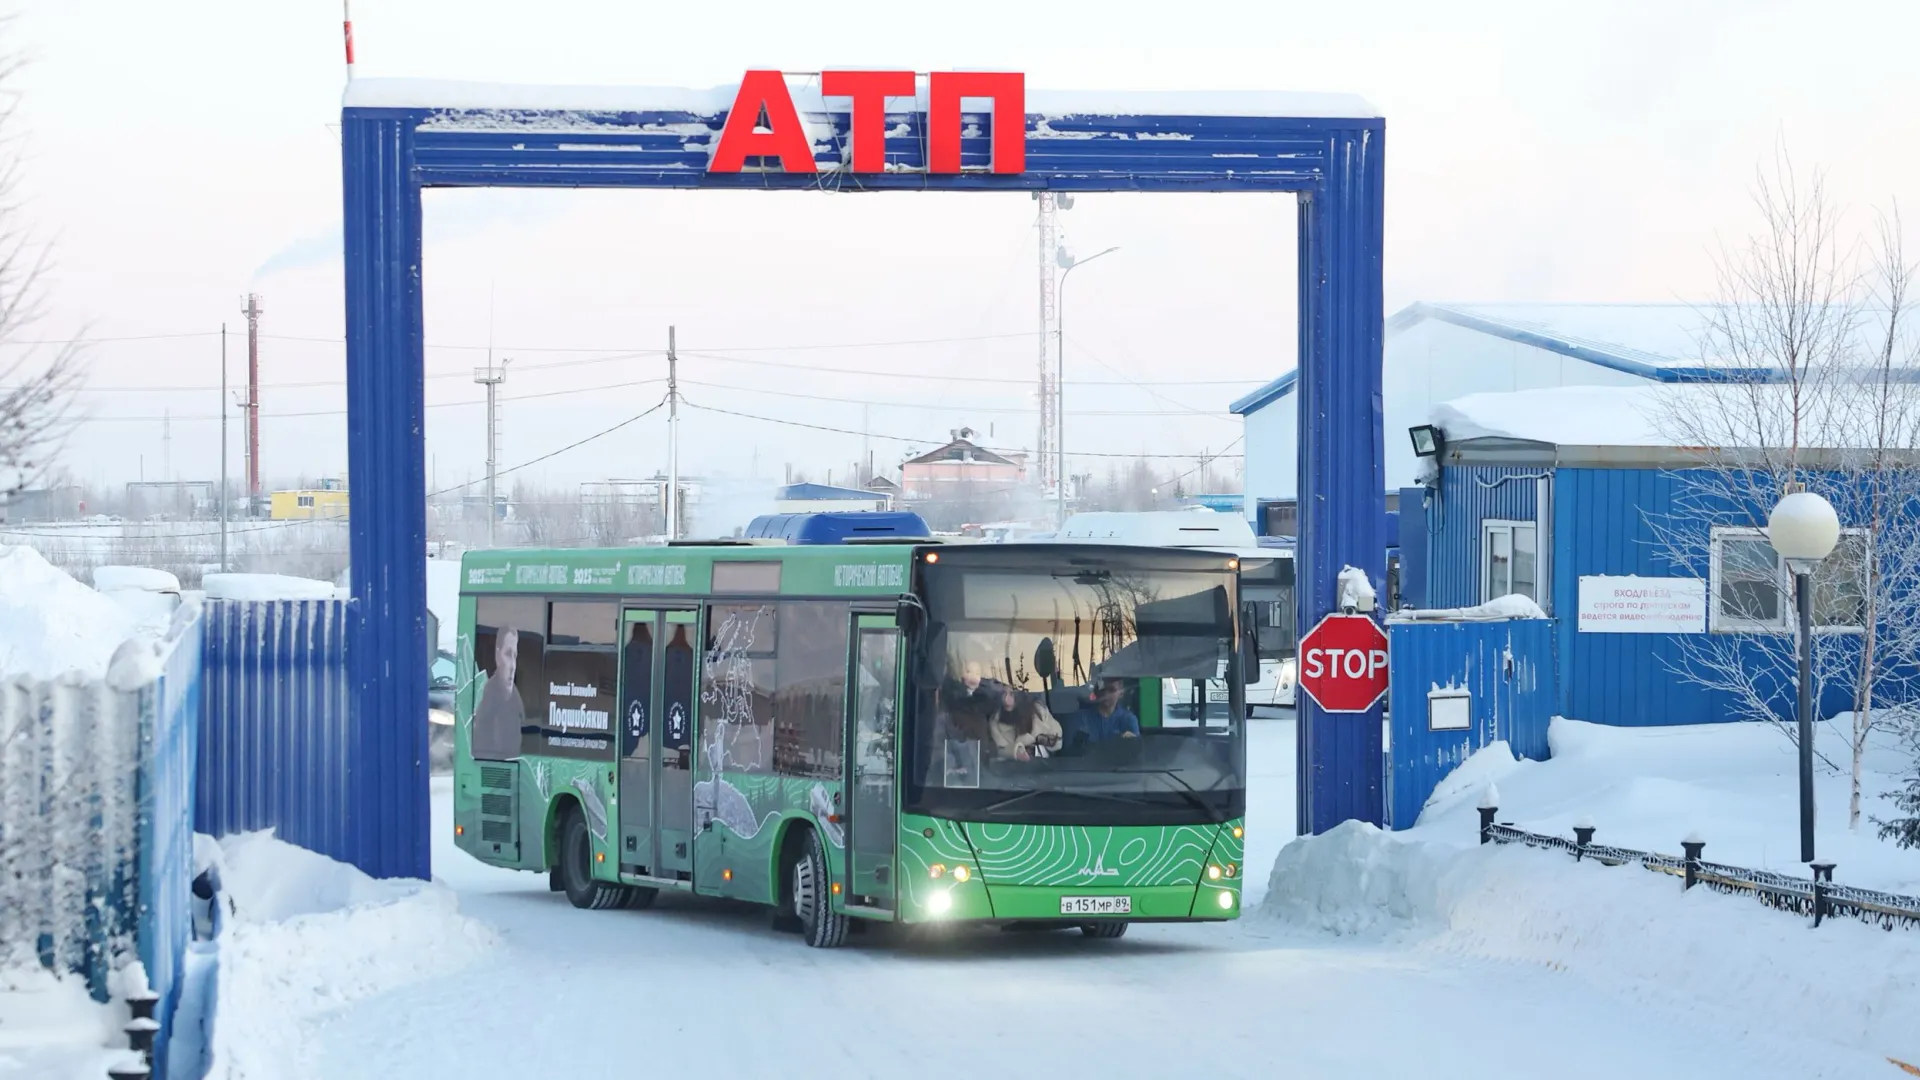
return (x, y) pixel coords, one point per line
(1226, 901)
(940, 902)
(1213, 873)
(962, 873)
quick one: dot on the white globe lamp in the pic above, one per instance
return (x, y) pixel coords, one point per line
(1803, 528)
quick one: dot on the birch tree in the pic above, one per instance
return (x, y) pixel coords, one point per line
(1812, 383)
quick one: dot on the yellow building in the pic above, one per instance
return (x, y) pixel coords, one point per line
(308, 503)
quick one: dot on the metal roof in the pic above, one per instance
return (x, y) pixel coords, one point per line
(1657, 342)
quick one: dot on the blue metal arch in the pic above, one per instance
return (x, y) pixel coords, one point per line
(1334, 164)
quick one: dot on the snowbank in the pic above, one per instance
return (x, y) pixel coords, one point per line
(1633, 932)
(310, 935)
(51, 624)
(1623, 927)
(265, 587)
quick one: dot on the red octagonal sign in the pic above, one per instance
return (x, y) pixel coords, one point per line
(1343, 663)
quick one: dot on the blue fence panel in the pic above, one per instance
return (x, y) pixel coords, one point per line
(276, 726)
(1507, 669)
(164, 863)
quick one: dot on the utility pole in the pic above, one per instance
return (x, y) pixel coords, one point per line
(225, 497)
(673, 439)
(1048, 468)
(491, 377)
(252, 312)
(166, 445)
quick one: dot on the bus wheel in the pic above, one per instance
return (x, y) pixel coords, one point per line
(1104, 930)
(822, 928)
(576, 868)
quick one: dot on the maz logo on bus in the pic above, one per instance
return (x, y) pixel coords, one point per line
(784, 135)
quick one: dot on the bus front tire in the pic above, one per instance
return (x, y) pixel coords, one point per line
(1105, 931)
(822, 927)
(576, 868)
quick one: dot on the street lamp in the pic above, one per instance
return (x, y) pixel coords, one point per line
(1804, 529)
(1067, 265)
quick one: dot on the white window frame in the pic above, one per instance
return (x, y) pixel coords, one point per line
(1721, 623)
(1488, 528)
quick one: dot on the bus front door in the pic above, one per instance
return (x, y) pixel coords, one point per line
(870, 761)
(656, 743)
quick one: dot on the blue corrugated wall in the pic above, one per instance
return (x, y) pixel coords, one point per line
(1507, 666)
(1469, 495)
(277, 730)
(1601, 527)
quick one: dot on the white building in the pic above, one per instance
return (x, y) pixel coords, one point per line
(1437, 352)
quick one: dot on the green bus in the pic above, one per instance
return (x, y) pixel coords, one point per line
(903, 732)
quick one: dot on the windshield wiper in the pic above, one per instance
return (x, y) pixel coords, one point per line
(1186, 791)
(1107, 795)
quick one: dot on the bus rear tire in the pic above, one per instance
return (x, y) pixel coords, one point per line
(1105, 931)
(819, 924)
(576, 868)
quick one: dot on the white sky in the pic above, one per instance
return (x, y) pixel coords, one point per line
(180, 155)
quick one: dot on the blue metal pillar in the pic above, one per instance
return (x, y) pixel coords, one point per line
(387, 742)
(1342, 480)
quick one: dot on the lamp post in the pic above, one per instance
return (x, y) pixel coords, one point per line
(1067, 265)
(1804, 529)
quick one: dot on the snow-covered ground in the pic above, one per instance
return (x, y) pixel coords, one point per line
(517, 984)
(309, 936)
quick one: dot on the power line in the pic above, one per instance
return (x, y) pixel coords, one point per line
(342, 412)
(903, 439)
(939, 406)
(556, 453)
(977, 379)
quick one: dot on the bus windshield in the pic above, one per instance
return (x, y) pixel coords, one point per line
(1046, 690)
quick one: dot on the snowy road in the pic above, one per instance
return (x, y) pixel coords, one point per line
(705, 985)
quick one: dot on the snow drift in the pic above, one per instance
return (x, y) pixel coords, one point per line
(51, 624)
(1631, 931)
(310, 935)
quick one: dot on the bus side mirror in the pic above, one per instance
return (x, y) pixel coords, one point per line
(1043, 664)
(932, 665)
(1249, 645)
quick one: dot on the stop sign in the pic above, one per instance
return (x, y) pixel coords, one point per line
(1343, 663)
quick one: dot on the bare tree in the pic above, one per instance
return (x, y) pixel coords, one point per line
(36, 386)
(1813, 383)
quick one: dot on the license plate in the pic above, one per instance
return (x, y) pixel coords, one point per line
(1216, 696)
(1096, 905)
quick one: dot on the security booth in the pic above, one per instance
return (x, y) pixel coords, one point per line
(1650, 559)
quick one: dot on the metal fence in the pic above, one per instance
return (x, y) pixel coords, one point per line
(1457, 687)
(1816, 897)
(96, 826)
(275, 742)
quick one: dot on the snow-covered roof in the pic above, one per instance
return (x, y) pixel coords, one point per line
(1654, 341)
(448, 94)
(1655, 415)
